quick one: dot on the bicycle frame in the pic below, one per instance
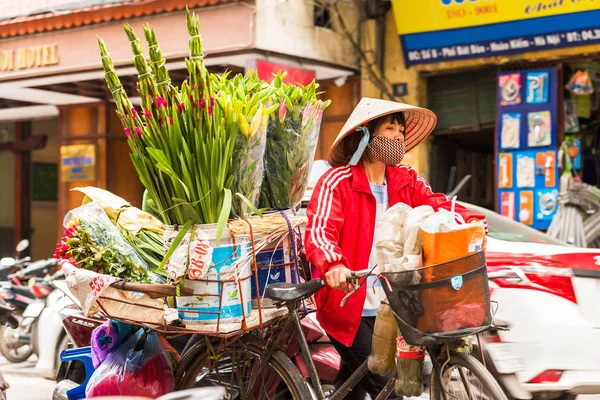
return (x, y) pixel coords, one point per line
(349, 384)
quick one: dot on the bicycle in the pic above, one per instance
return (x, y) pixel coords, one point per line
(452, 368)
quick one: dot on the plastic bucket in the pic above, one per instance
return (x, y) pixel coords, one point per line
(276, 263)
(223, 293)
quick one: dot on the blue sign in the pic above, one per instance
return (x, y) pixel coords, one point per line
(565, 30)
(527, 168)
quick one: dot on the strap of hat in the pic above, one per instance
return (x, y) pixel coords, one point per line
(361, 146)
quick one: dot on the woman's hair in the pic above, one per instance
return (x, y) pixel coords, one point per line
(343, 152)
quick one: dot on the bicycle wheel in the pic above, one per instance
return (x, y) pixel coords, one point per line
(464, 377)
(240, 370)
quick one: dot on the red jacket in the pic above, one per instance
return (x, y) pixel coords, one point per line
(340, 231)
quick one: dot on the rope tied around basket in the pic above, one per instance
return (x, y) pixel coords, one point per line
(255, 272)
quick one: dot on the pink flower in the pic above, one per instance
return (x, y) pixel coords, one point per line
(212, 101)
(127, 132)
(138, 131)
(171, 121)
(181, 108)
(70, 232)
(161, 102)
(210, 110)
(147, 114)
(191, 97)
(282, 111)
(202, 103)
(307, 113)
(134, 113)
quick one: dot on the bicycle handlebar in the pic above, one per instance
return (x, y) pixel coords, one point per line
(354, 275)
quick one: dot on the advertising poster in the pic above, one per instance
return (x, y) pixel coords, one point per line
(511, 131)
(526, 166)
(510, 89)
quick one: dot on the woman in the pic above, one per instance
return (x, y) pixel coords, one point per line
(349, 199)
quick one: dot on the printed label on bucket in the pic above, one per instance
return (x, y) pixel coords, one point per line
(195, 247)
(274, 265)
(213, 297)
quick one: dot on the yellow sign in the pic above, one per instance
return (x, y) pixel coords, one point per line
(29, 57)
(413, 16)
(78, 162)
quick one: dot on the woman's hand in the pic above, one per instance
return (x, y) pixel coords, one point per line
(336, 278)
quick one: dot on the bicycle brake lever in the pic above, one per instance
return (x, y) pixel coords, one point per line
(347, 296)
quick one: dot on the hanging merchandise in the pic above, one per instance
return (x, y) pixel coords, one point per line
(580, 83)
(584, 105)
(571, 116)
(572, 145)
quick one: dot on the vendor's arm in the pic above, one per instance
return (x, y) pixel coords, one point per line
(325, 221)
(423, 195)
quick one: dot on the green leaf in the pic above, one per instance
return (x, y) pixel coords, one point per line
(225, 211)
(249, 204)
(175, 243)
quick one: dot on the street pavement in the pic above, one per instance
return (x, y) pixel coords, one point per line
(25, 383)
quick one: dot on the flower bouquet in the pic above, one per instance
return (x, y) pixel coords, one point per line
(252, 97)
(140, 229)
(183, 139)
(291, 143)
(92, 242)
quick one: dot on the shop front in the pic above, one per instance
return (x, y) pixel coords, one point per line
(504, 78)
(58, 127)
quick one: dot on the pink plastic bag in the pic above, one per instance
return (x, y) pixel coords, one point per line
(138, 367)
(461, 316)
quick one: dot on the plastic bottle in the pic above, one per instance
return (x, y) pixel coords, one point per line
(383, 347)
(409, 368)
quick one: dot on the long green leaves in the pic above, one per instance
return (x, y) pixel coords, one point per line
(197, 145)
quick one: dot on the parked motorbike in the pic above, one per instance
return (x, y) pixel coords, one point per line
(6, 318)
(54, 338)
(19, 343)
(10, 265)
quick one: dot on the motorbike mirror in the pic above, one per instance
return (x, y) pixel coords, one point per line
(7, 262)
(22, 245)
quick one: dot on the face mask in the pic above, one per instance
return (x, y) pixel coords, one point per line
(388, 151)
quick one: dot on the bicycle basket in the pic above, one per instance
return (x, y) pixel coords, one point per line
(442, 302)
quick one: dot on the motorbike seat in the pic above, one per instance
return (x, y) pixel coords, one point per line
(288, 292)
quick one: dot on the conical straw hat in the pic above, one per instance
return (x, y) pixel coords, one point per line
(419, 121)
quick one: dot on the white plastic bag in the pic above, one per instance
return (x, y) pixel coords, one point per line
(87, 287)
(398, 244)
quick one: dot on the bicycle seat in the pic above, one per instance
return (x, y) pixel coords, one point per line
(284, 292)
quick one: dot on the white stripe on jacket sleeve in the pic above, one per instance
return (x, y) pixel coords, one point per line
(325, 200)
